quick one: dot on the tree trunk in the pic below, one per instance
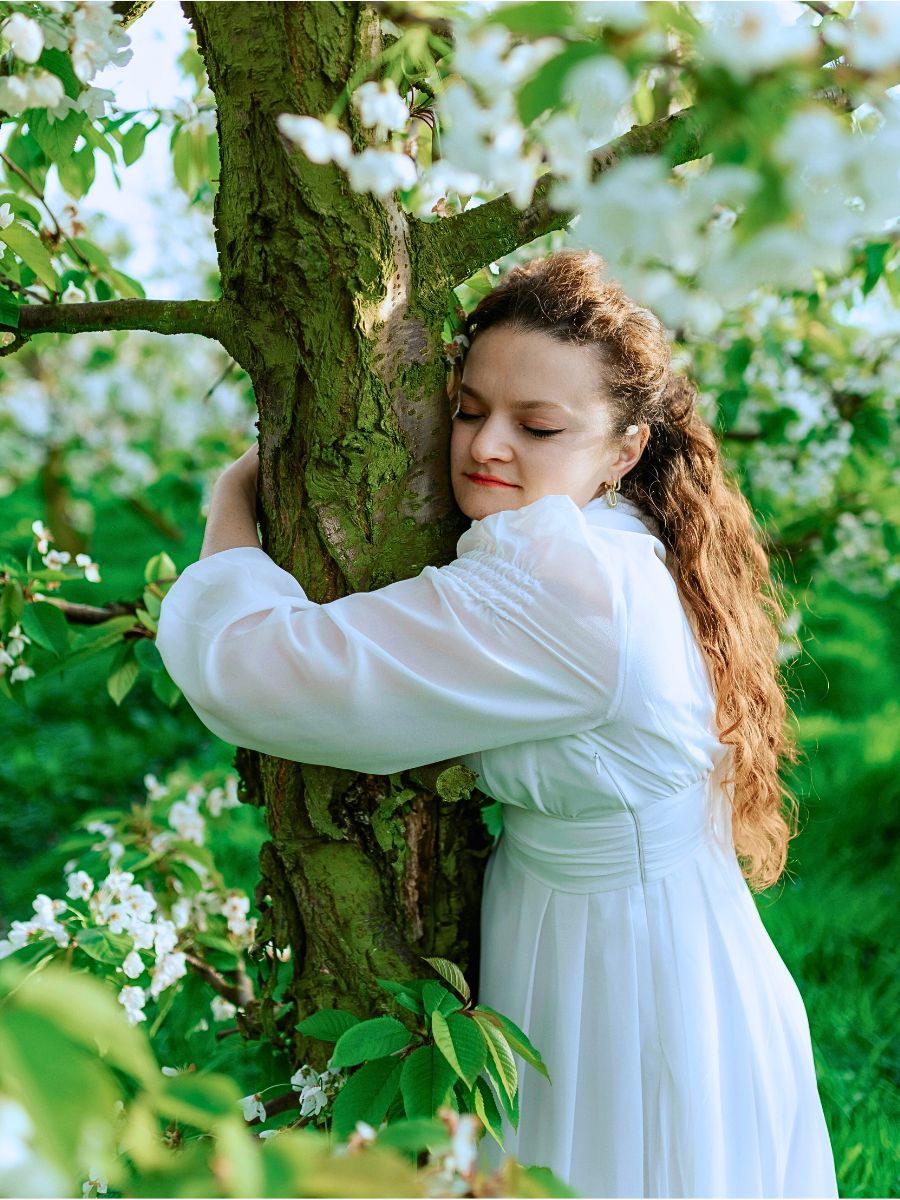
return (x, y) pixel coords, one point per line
(332, 306)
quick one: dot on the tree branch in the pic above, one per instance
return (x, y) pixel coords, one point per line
(159, 316)
(128, 11)
(91, 614)
(459, 246)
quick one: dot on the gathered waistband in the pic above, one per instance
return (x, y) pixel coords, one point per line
(621, 848)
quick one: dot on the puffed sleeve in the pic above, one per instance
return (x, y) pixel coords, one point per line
(520, 637)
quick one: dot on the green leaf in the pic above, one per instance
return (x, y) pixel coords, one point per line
(406, 994)
(500, 1053)
(12, 605)
(462, 1043)
(32, 251)
(516, 1038)
(114, 631)
(426, 1080)
(366, 1095)
(546, 87)
(9, 308)
(536, 19)
(328, 1024)
(437, 999)
(492, 816)
(368, 1040)
(509, 1106)
(487, 1111)
(165, 689)
(876, 256)
(123, 674)
(104, 946)
(59, 64)
(412, 1136)
(57, 138)
(453, 975)
(46, 625)
(127, 287)
(76, 173)
(133, 143)
(160, 566)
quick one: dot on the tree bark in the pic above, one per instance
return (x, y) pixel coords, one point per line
(323, 306)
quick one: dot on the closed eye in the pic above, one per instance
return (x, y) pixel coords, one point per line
(538, 433)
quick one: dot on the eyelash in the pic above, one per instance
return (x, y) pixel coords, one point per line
(538, 433)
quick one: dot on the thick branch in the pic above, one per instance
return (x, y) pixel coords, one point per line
(159, 316)
(459, 246)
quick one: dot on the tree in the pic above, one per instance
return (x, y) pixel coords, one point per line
(338, 263)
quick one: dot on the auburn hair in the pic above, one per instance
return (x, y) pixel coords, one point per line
(714, 545)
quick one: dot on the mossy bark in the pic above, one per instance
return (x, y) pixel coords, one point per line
(331, 303)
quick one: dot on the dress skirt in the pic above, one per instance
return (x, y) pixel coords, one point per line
(630, 950)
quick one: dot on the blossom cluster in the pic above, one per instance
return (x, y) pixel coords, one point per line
(89, 31)
(681, 247)
(157, 915)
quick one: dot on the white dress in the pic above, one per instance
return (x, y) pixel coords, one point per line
(553, 656)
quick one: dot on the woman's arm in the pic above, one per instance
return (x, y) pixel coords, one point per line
(232, 510)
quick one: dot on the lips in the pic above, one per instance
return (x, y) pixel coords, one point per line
(488, 481)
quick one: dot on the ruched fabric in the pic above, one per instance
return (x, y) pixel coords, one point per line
(554, 658)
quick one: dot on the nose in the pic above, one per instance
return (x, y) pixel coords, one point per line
(490, 442)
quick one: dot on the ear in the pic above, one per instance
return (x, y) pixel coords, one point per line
(631, 450)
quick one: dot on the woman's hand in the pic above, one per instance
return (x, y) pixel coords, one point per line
(244, 471)
(232, 509)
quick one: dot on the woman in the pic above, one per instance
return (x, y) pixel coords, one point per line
(607, 663)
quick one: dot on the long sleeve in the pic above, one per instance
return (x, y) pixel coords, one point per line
(520, 637)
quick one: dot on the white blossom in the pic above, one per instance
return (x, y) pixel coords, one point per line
(62, 108)
(91, 569)
(79, 885)
(235, 907)
(16, 1129)
(93, 101)
(170, 968)
(381, 171)
(464, 1147)
(25, 37)
(98, 39)
(303, 1077)
(133, 999)
(155, 790)
(165, 937)
(133, 966)
(598, 88)
(312, 1100)
(43, 89)
(21, 673)
(43, 536)
(56, 559)
(73, 295)
(870, 39)
(320, 143)
(222, 1009)
(187, 822)
(253, 1107)
(749, 37)
(381, 107)
(6, 216)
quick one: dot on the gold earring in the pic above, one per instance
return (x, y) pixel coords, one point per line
(610, 493)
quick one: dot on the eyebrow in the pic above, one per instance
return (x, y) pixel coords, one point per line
(526, 404)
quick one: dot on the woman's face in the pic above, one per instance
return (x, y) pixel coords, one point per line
(529, 416)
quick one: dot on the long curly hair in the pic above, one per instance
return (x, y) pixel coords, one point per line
(713, 542)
